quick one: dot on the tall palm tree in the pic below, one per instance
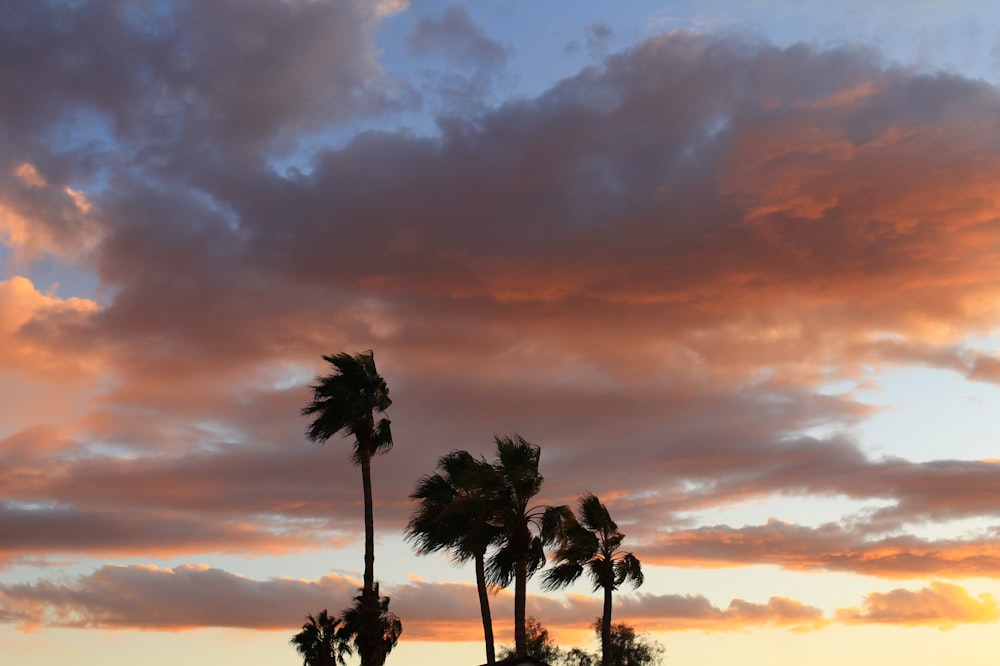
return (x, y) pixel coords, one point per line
(346, 401)
(524, 530)
(592, 543)
(453, 515)
(320, 642)
(386, 629)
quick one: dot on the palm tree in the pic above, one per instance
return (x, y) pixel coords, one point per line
(346, 401)
(386, 629)
(320, 642)
(524, 530)
(452, 515)
(593, 544)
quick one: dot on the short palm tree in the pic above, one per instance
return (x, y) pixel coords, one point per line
(592, 543)
(452, 514)
(524, 530)
(346, 401)
(320, 642)
(386, 629)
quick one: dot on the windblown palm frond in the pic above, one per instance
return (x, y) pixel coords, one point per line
(452, 514)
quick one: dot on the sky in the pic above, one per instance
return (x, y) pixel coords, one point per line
(733, 266)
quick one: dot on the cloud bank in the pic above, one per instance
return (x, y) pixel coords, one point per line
(663, 262)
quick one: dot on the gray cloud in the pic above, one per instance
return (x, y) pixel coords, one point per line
(192, 596)
(456, 35)
(187, 597)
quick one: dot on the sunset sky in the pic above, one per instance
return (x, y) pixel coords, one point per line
(733, 266)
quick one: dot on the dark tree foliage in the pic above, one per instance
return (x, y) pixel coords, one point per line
(321, 641)
(630, 649)
(627, 647)
(386, 629)
(540, 644)
(325, 640)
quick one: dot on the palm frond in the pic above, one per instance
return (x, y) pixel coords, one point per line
(628, 568)
(345, 400)
(382, 441)
(594, 515)
(561, 575)
(500, 566)
(453, 508)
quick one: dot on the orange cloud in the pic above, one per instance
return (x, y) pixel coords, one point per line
(830, 548)
(29, 175)
(943, 605)
(22, 306)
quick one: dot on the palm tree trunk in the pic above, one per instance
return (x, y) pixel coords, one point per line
(606, 629)
(369, 604)
(484, 608)
(520, 602)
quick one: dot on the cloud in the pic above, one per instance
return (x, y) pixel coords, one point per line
(242, 69)
(23, 312)
(627, 208)
(681, 612)
(943, 605)
(187, 597)
(597, 36)
(474, 61)
(829, 547)
(191, 596)
(456, 35)
(666, 259)
(38, 219)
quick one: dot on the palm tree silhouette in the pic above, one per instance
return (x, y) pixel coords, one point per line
(346, 401)
(320, 642)
(453, 515)
(524, 529)
(592, 543)
(386, 629)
